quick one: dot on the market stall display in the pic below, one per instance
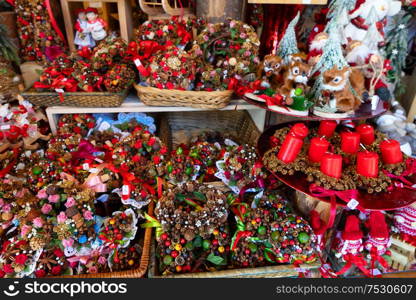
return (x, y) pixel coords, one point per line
(197, 188)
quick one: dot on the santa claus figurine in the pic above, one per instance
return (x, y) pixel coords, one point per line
(378, 236)
(320, 24)
(405, 222)
(349, 241)
(82, 37)
(358, 26)
(359, 54)
(96, 26)
(316, 48)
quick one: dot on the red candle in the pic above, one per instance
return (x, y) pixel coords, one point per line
(391, 152)
(290, 148)
(367, 164)
(319, 146)
(350, 142)
(331, 165)
(327, 128)
(366, 133)
(300, 130)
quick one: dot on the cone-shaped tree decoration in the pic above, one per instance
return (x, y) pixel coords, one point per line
(289, 44)
(332, 56)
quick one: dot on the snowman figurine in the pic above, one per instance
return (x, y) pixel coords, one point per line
(83, 38)
(96, 26)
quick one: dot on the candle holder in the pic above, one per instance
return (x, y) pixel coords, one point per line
(372, 193)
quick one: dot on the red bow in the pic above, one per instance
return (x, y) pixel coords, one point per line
(85, 151)
(346, 196)
(276, 100)
(377, 258)
(410, 170)
(354, 260)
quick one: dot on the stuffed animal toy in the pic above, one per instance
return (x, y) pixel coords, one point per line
(269, 71)
(343, 88)
(296, 75)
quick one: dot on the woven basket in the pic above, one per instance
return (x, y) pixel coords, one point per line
(144, 260)
(199, 99)
(80, 99)
(176, 128)
(277, 271)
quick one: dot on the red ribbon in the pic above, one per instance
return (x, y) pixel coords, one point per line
(61, 82)
(8, 168)
(85, 151)
(410, 170)
(275, 100)
(377, 258)
(238, 237)
(53, 21)
(354, 260)
(346, 196)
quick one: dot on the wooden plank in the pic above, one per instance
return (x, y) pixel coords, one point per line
(132, 104)
(412, 111)
(314, 2)
(125, 19)
(69, 27)
(400, 275)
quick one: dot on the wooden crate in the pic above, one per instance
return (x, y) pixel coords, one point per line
(402, 254)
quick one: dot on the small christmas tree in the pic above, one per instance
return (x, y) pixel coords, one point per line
(373, 36)
(331, 56)
(337, 6)
(332, 52)
(396, 50)
(338, 15)
(289, 45)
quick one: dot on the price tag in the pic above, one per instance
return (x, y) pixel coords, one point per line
(375, 272)
(5, 127)
(60, 91)
(138, 62)
(352, 204)
(86, 167)
(307, 1)
(125, 190)
(94, 171)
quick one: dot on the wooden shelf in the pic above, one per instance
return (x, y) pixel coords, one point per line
(307, 2)
(133, 104)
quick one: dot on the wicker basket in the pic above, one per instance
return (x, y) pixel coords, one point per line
(199, 99)
(80, 99)
(176, 128)
(277, 271)
(144, 260)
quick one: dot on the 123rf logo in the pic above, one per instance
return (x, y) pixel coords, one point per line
(70, 289)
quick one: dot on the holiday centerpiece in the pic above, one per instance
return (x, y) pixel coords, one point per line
(100, 77)
(344, 163)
